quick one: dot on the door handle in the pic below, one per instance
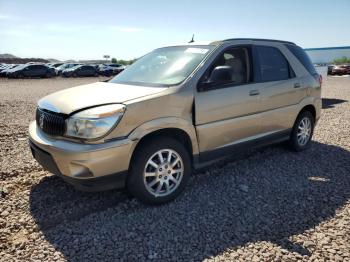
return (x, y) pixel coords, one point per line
(297, 85)
(254, 92)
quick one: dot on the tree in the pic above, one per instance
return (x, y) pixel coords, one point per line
(343, 60)
(114, 60)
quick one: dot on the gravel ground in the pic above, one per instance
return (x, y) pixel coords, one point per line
(272, 204)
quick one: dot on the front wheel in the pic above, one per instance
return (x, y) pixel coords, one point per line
(159, 170)
(302, 131)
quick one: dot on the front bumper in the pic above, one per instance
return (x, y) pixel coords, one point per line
(92, 167)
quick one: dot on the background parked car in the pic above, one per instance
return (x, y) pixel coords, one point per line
(105, 70)
(54, 65)
(31, 70)
(329, 69)
(6, 68)
(339, 70)
(80, 70)
(63, 67)
(117, 68)
(347, 67)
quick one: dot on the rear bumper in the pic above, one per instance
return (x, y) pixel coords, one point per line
(89, 167)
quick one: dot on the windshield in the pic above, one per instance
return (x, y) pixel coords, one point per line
(163, 67)
(74, 67)
(19, 66)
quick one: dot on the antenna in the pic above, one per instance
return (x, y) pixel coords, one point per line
(192, 40)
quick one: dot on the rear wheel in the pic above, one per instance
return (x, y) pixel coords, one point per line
(302, 131)
(159, 171)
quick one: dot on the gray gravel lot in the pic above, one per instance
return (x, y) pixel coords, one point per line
(272, 204)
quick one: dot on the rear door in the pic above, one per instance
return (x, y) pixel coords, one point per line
(91, 70)
(41, 70)
(30, 71)
(225, 114)
(280, 89)
(83, 71)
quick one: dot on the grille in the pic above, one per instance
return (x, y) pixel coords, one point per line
(50, 123)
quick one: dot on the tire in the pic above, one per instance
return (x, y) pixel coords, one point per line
(48, 75)
(301, 137)
(169, 185)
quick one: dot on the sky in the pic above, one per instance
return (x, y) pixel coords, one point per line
(127, 29)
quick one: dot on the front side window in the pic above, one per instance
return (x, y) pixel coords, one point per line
(164, 67)
(237, 60)
(273, 66)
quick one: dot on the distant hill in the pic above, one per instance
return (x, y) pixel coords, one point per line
(53, 60)
(96, 61)
(7, 56)
(12, 59)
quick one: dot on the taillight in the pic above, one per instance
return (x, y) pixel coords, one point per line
(318, 78)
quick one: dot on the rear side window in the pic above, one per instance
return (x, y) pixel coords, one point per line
(273, 66)
(303, 58)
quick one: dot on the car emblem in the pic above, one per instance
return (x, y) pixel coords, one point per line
(41, 121)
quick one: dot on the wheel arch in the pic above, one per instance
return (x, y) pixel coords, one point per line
(173, 132)
(310, 108)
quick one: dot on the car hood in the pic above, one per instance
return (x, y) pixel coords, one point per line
(79, 97)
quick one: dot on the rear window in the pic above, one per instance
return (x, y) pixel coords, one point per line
(303, 58)
(273, 65)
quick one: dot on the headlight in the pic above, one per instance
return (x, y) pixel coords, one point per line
(94, 122)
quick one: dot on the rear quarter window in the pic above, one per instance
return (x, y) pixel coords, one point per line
(303, 58)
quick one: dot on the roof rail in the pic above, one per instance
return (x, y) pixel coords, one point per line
(260, 39)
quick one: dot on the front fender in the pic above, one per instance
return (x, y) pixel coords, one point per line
(166, 123)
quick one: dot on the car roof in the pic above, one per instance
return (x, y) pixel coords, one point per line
(219, 42)
(258, 39)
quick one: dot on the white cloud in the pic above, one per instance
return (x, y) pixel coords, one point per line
(15, 33)
(130, 29)
(6, 17)
(66, 28)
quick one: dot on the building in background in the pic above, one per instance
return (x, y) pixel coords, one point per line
(327, 54)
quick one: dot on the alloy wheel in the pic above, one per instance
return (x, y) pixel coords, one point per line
(163, 172)
(304, 131)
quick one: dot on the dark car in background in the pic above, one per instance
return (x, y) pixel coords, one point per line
(105, 70)
(6, 68)
(347, 67)
(65, 66)
(54, 65)
(329, 69)
(117, 68)
(340, 70)
(80, 70)
(31, 70)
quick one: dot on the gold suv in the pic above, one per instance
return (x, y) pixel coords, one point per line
(175, 109)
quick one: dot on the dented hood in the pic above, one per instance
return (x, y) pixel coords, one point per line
(79, 97)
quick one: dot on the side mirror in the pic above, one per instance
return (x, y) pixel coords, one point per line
(219, 75)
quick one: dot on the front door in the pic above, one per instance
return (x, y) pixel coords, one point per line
(226, 112)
